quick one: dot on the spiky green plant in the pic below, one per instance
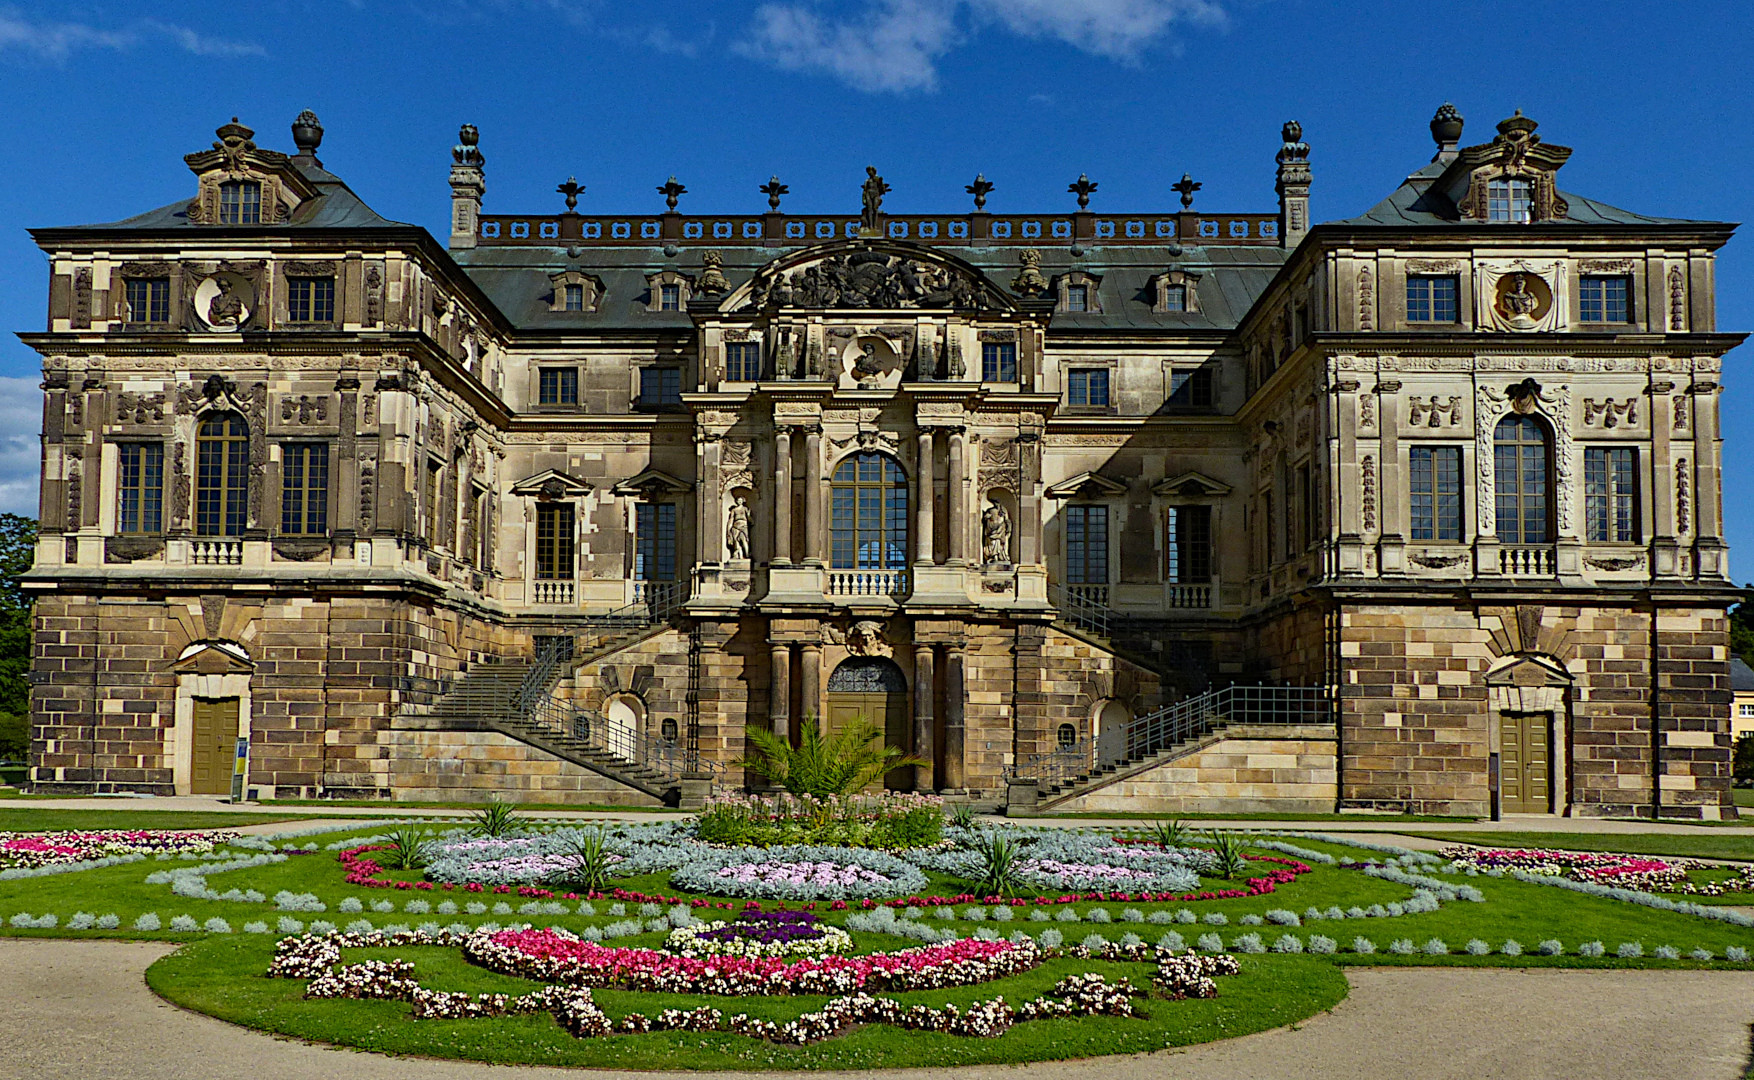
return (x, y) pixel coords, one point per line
(497, 819)
(410, 848)
(962, 815)
(588, 850)
(840, 764)
(1227, 849)
(1169, 834)
(999, 873)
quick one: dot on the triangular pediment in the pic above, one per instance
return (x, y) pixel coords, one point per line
(1190, 485)
(1087, 486)
(552, 484)
(1528, 670)
(867, 274)
(652, 484)
(212, 658)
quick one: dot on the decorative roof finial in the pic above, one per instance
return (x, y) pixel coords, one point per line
(773, 189)
(572, 189)
(307, 134)
(1082, 187)
(1293, 148)
(1518, 127)
(671, 191)
(1187, 185)
(1446, 127)
(466, 152)
(980, 189)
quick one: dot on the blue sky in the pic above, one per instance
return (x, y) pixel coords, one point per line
(103, 101)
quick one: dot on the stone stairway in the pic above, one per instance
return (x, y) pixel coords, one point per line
(1103, 776)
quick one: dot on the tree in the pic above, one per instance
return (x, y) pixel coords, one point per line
(18, 538)
(1742, 625)
(841, 764)
(1742, 767)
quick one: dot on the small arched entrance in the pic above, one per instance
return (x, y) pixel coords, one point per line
(873, 689)
(626, 718)
(1112, 718)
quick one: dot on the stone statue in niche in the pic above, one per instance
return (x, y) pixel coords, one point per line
(996, 534)
(737, 530)
(868, 366)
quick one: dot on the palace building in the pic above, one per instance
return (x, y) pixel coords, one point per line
(1180, 510)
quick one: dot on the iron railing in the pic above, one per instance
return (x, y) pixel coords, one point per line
(623, 747)
(1184, 720)
(1081, 608)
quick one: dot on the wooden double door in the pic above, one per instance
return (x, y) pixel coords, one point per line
(1525, 763)
(214, 746)
(887, 711)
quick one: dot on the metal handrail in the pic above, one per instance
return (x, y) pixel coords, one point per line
(1079, 610)
(628, 748)
(1056, 766)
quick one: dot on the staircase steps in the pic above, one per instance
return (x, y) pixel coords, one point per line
(1077, 785)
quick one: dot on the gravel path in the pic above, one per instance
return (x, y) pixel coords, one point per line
(81, 1008)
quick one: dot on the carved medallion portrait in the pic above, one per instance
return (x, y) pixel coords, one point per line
(224, 301)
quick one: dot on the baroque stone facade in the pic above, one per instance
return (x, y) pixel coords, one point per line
(565, 508)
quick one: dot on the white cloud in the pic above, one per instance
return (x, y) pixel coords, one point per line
(21, 419)
(894, 46)
(54, 42)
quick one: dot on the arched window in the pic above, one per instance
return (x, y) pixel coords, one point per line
(868, 518)
(222, 475)
(1520, 463)
(1068, 736)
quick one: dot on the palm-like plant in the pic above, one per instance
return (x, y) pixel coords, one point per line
(409, 848)
(962, 815)
(999, 873)
(1227, 849)
(589, 851)
(497, 819)
(1169, 834)
(840, 764)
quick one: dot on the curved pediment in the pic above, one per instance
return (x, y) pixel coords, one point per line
(868, 274)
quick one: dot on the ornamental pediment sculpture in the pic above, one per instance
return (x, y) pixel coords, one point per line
(234, 156)
(1519, 295)
(870, 277)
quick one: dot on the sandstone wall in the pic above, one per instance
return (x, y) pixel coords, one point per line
(1246, 770)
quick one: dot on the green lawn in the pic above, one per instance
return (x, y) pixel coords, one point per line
(1744, 796)
(222, 975)
(1704, 845)
(1372, 818)
(48, 819)
(535, 807)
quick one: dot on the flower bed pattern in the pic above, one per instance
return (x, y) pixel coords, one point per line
(889, 821)
(1641, 872)
(798, 872)
(54, 848)
(760, 934)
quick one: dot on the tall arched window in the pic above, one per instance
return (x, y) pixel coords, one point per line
(1520, 462)
(868, 515)
(222, 475)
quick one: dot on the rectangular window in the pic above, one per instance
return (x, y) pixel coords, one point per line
(149, 300)
(1191, 388)
(659, 387)
(429, 507)
(1610, 493)
(557, 386)
(1431, 298)
(1190, 544)
(304, 489)
(1746, 710)
(240, 203)
(140, 480)
(1435, 492)
(743, 361)
(1603, 299)
(1087, 386)
(1508, 201)
(1077, 298)
(554, 541)
(654, 542)
(310, 299)
(1175, 298)
(669, 298)
(575, 298)
(1087, 545)
(999, 361)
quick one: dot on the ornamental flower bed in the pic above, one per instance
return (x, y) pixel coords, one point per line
(798, 872)
(1063, 860)
(557, 956)
(524, 860)
(760, 934)
(1641, 872)
(889, 821)
(54, 848)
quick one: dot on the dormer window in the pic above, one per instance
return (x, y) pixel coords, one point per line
(1175, 298)
(575, 298)
(574, 291)
(240, 202)
(1077, 298)
(1509, 199)
(668, 291)
(1077, 292)
(1174, 292)
(669, 298)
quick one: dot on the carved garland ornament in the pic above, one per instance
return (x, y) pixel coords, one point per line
(1683, 511)
(1609, 413)
(1433, 412)
(1369, 469)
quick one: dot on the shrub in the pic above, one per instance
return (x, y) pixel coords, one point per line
(1248, 943)
(321, 926)
(1630, 950)
(449, 907)
(408, 848)
(1288, 943)
(417, 907)
(1337, 912)
(1094, 941)
(350, 905)
(1000, 914)
(1550, 947)
(1067, 914)
(1702, 953)
(1512, 948)
(256, 927)
(289, 925)
(496, 819)
(1363, 946)
(588, 858)
(1051, 939)
(1210, 943)
(81, 920)
(1216, 918)
(384, 907)
(1282, 917)
(216, 925)
(1591, 948)
(1132, 914)
(108, 922)
(360, 926)
(1040, 915)
(586, 908)
(1227, 850)
(1735, 954)
(1667, 952)
(1322, 944)
(961, 815)
(1099, 915)
(185, 924)
(616, 910)
(1160, 917)
(1173, 833)
(1172, 942)
(850, 760)
(1186, 917)
(1356, 912)
(1436, 947)
(1251, 920)
(503, 908)
(974, 914)
(999, 869)
(474, 907)
(1402, 946)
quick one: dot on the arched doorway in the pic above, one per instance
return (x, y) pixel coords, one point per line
(872, 688)
(1112, 718)
(625, 715)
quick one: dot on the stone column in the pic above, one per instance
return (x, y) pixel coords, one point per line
(810, 685)
(1392, 555)
(709, 521)
(779, 691)
(923, 476)
(782, 496)
(924, 715)
(954, 777)
(1028, 501)
(813, 497)
(958, 498)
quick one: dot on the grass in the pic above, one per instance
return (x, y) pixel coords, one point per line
(1744, 796)
(50, 820)
(222, 974)
(534, 807)
(1372, 818)
(1707, 845)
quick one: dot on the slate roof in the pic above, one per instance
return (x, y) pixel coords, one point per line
(335, 207)
(1417, 202)
(1741, 675)
(517, 280)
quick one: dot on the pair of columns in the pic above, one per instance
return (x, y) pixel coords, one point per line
(924, 704)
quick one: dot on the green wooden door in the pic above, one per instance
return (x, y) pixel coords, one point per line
(886, 711)
(214, 745)
(1525, 766)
